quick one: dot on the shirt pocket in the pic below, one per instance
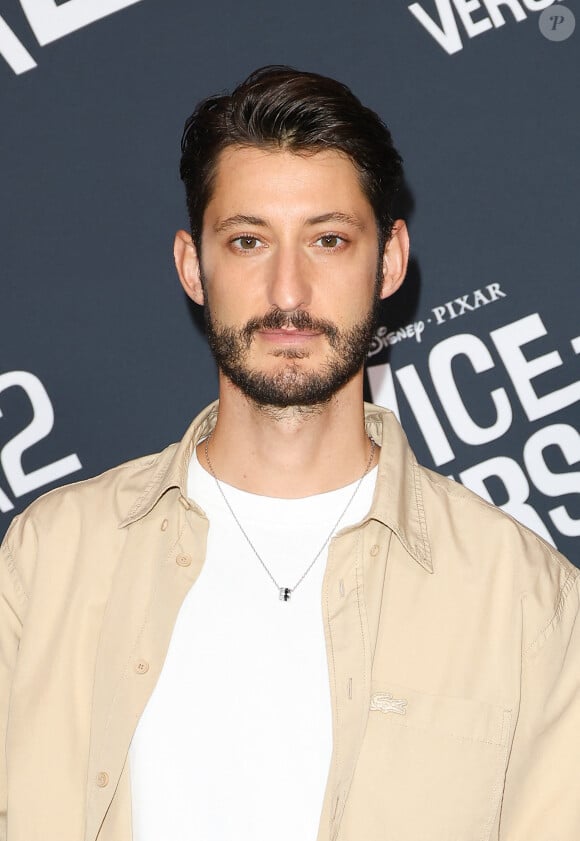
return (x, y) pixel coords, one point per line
(431, 768)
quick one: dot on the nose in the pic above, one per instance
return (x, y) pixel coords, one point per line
(289, 286)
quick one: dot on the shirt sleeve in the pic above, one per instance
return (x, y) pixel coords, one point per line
(13, 600)
(541, 799)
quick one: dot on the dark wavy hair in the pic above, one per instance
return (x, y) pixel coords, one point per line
(283, 108)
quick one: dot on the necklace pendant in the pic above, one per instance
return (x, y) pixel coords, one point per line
(285, 593)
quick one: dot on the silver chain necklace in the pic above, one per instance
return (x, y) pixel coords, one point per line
(285, 592)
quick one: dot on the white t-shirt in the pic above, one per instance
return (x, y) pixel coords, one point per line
(235, 741)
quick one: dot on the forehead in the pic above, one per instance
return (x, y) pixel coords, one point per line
(271, 181)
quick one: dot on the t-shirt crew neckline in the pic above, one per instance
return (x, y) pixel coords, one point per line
(202, 486)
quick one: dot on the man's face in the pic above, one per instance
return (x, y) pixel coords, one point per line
(291, 274)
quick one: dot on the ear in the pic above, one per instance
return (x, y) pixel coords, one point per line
(188, 266)
(395, 259)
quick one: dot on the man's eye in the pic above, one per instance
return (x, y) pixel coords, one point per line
(330, 240)
(246, 243)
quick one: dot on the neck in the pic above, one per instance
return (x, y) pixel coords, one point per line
(293, 452)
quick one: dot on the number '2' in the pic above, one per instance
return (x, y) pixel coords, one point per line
(39, 427)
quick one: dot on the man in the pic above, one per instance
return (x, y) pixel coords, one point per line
(283, 627)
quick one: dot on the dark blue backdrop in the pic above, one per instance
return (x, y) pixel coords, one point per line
(102, 359)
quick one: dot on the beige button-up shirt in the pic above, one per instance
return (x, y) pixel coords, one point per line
(452, 637)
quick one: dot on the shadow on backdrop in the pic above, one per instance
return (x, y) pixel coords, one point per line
(399, 310)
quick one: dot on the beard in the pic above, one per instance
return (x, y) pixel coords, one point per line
(291, 386)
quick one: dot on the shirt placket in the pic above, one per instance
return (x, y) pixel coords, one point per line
(163, 556)
(350, 646)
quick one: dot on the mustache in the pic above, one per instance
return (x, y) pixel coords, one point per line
(276, 319)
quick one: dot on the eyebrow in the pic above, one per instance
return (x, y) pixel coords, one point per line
(337, 216)
(238, 219)
(255, 221)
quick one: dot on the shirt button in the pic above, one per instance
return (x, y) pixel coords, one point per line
(164, 525)
(141, 667)
(183, 560)
(375, 549)
(102, 779)
(185, 503)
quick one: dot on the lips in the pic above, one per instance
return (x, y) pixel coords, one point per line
(289, 335)
(288, 328)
